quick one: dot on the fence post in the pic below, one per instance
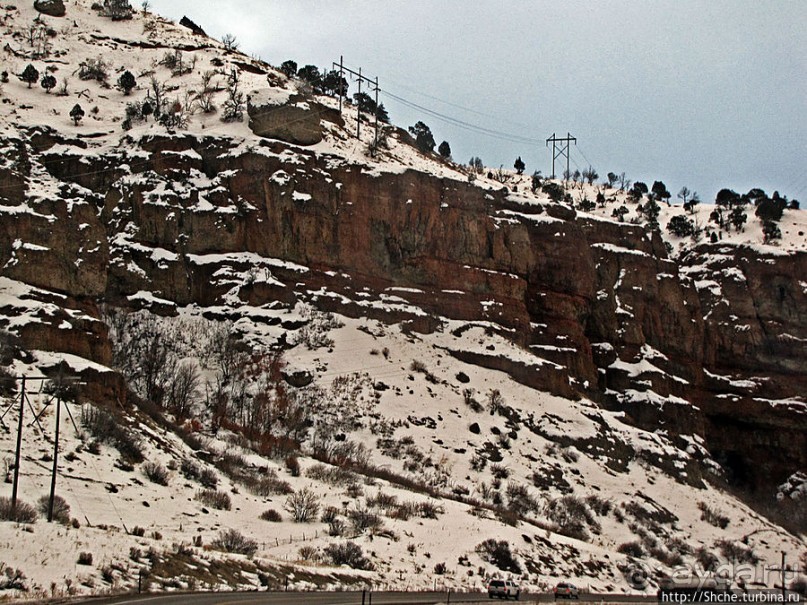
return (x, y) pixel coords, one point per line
(363, 595)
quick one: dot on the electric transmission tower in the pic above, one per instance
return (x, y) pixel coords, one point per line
(560, 148)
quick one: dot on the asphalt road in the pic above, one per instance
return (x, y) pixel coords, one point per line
(337, 598)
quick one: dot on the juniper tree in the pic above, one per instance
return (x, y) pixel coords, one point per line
(311, 74)
(423, 137)
(127, 82)
(288, 68)
(681, 226)
(334, 84)
(694, 200)
(48, 82)
(660, 191)
(444, 150)
(77, 113)
(29, 75)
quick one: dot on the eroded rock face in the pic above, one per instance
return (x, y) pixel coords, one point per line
(601, 306)
(292, 118)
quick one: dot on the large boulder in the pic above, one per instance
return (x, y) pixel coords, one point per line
(53, 8)
(289, 117)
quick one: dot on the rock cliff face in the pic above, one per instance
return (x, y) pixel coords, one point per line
(600, 305)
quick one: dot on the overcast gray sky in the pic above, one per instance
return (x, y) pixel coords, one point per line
(707, 94)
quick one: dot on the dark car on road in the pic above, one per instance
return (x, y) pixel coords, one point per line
(564, 590)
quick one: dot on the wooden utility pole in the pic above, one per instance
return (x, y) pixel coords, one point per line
(560, 148)
(375, 144)
(341, 79)
(358, 110)
(15, 483)
(360, 79)
(55, 459)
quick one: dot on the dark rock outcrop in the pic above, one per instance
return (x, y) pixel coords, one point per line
(185, 22)
(52, 8)
(714, 344)
(294, 119)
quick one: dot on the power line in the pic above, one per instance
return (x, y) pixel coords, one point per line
(506, 136)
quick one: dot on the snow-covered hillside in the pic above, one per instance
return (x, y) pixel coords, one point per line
(271, 430)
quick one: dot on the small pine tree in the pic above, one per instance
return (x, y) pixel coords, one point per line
(444, 150)
(737, 217)
(77, 113)
(770, 231)
(146, 109)
(536, 181)
(29, 75)
(519, 165)
(127, 82)
(48, 82)
(381, 113)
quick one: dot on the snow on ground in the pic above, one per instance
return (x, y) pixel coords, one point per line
(423, 415)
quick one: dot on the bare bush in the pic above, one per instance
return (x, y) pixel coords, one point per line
(93, 69)
(107, 429)
(271, 515)
(599, 505)
(192, 470)
(497, 552)
(737, 553)
(329, 513)
(348, 553)
(712, 516)
(706, 559)
(500, 472)
(12, 578)
(85, 558)
(519, 500)
(429, 510)
(61, 509)
(214, 498)
(309, 553)
(383, 501)
(632, 549)
(470, 400)
(24, 512)
(495, 401)
(572, 517)
(155, 472)
(269, 485)
(233, 541)
(363, 519)
(303, 505)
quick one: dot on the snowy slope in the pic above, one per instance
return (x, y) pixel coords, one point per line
(452, 449)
